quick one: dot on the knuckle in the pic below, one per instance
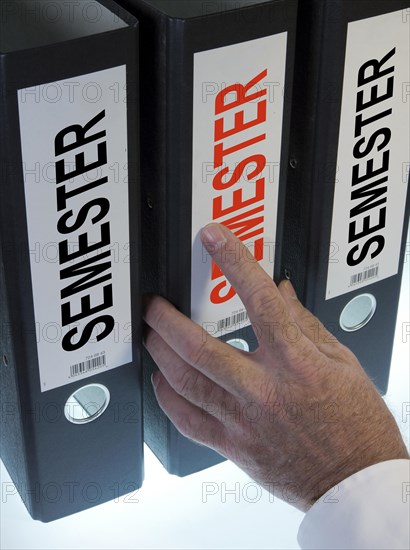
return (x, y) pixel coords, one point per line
(200, 355)
(347, 357)
(199, 431)
(216, 439)
(262, 299)
(151, 339)
(303, 358)
(185, 385)
(185, 426)
(306, 318)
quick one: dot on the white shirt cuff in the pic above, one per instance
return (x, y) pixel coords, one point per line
(368, 510)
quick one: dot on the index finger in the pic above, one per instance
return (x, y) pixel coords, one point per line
(264, 303)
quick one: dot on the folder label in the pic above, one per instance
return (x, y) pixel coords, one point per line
(74, 150)
(373, 155)
(238, 112)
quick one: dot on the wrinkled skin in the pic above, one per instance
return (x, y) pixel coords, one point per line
(299, 415)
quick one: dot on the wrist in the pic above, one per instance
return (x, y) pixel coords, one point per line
(356, 462)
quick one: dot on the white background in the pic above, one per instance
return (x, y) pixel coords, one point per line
(170, 512)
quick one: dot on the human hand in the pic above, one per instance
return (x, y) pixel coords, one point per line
(298, 415)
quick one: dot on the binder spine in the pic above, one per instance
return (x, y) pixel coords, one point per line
(296, 252)
(154, 38)
(12, 435)
(179, 77)
(328, 88)
(16, 435)
(153, 98)
(173, 35)
(64, 457)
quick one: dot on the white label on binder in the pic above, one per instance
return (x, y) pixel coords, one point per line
(373, 155)
(238, 112)
(74, 148)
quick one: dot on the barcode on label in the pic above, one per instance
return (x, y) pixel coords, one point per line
(229, 322)
(86, 366)
(364, 276)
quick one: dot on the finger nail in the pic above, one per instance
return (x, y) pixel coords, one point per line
(212, 236)
(155, 379)
(290, 290)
